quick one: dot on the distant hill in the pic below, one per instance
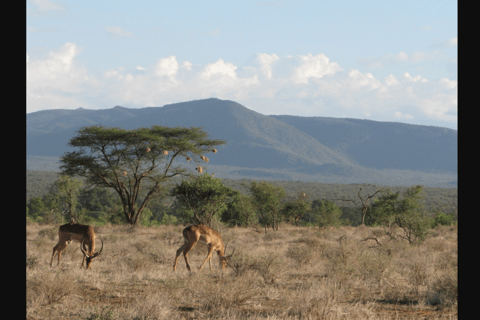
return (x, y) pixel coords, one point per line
(273, 147)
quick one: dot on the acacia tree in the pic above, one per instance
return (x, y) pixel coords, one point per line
(134, 162)
(406, 213)
(204, 195)
(267, 199)
(364, 198)
(294, 210)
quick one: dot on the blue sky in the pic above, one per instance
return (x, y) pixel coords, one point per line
(378, 60)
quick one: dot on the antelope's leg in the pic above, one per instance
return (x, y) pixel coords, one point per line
(59, 248)
(188, 247)
(209, 257)
(179, 252)
(53, 254)
(83, 260)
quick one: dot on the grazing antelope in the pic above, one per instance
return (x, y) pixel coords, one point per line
(81, 233)
(206, 235)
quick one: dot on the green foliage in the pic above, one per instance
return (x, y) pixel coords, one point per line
(267, 199)
(169, 219)
(101, 200)
(240, 212)
(204, 195)
(294, 210)
(146, 218)
(326, 213)
(36, 209)
(443, 219)
(63, 196)
(403, 217)
(135, 162)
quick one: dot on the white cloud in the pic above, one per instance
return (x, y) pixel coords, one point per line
(308, 85)
(447, 83)
(358, 80)
(187, 66)
(266, 61)
(390, 80)
(46, 6)
(118, 32)
(402, 116)
(219, 68)
(452, 42)
(57, 81)
(409, 78)
(167, 67)
(314, 66)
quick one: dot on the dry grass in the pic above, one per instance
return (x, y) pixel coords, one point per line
(294, 273)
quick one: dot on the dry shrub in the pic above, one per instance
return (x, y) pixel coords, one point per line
(105, 314)
(310, 241)
(301, 254)
(323, 301)
(443, 290)
(155, 305)
(274, 235)
(32, 261)
(50, 287)
(48, 233)
(375, 264)
(269, 268)
(42, 242)
(340, 261)
(111, 238)
(226, 294)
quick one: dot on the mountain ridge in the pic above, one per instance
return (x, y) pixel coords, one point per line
(287, 147)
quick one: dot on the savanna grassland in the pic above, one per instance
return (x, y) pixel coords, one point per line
(293, 273)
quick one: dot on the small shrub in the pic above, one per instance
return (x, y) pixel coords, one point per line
(32, 261)
(274, 235)
(50, 233)
(52, 287)
(443, 219)
(301, 254)
(105, 314)
(443, 290)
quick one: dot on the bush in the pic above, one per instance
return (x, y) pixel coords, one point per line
(326, 213)
(443, 219)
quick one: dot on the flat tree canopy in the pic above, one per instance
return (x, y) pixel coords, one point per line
(134, 162)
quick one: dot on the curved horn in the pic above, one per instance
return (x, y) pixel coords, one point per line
(81, 248)
(98, 253)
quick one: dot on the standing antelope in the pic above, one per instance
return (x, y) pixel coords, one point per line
(81, 233)
(206, 235)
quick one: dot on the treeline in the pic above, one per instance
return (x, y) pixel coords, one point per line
(245, 202)
(40, 182)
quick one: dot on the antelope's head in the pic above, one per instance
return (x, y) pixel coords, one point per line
(89, 258)
(224, 259)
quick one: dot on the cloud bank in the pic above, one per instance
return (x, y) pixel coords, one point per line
(305, 85)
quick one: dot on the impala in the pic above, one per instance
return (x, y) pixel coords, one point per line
(206, 235)
(81, 233)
